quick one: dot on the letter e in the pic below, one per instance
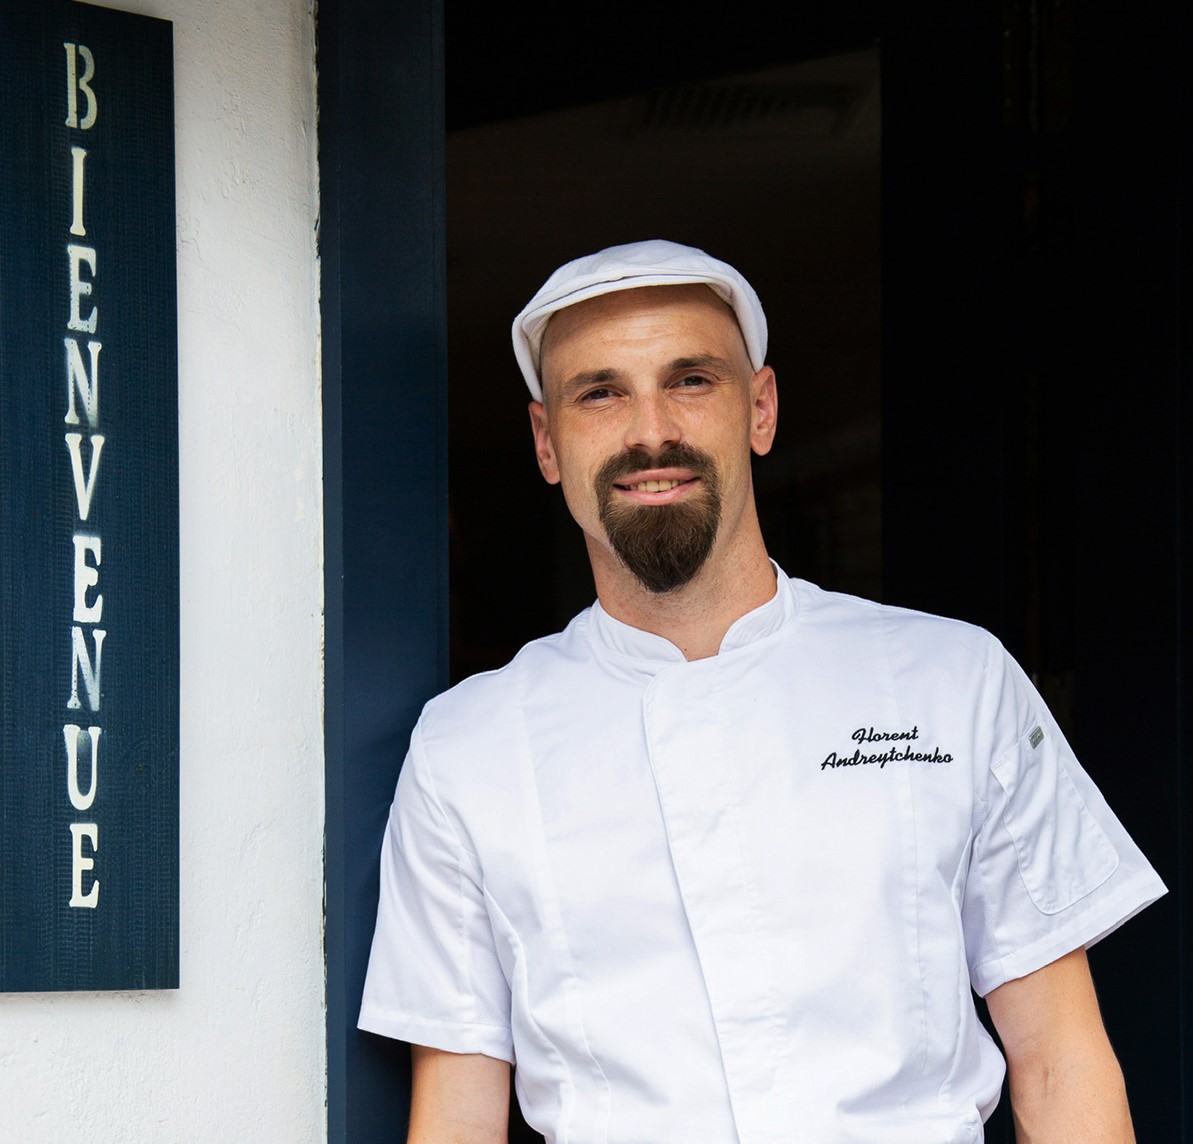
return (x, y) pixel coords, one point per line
(80, 287)
(79, 864)
(87, 577)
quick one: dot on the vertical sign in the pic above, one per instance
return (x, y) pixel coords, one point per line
(88, 501)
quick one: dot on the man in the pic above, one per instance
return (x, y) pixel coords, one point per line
(722, 861)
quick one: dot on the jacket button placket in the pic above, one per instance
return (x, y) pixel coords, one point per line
(689, 739)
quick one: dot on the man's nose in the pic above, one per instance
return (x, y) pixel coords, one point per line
(653, 425)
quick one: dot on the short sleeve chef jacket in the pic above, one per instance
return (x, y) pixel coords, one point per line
(743, 898)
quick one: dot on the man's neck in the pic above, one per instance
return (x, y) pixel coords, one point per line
(695, 617)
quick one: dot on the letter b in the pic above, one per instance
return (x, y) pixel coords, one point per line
(76, 83)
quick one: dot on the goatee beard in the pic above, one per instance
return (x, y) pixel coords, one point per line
(665, 545)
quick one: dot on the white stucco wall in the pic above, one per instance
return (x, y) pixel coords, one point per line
(237, 1053)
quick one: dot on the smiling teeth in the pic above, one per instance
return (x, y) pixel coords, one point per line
(654, 486)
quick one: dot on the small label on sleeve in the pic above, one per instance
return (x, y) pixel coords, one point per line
(1036, 737)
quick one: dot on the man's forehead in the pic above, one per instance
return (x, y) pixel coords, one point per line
(670, 305)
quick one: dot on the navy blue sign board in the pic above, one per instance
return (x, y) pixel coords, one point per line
(88, 501)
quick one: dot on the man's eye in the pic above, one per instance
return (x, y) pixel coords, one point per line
(692, 379)
(598, 394)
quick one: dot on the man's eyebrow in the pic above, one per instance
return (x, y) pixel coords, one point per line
(701, 361)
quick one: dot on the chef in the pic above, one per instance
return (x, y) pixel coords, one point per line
(726, 860)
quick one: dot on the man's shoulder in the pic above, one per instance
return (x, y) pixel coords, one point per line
(484, 696)
(840, 609)
(948, 672)
(914, 645)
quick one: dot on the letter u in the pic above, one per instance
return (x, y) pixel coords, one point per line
(70, 733)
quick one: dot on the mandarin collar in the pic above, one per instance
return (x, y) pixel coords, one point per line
(658, 651)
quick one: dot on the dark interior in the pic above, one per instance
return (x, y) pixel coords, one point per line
(965, 226)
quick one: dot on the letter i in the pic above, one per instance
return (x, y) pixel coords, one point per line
(78, 158)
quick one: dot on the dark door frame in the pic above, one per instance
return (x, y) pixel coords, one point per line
(381, 242)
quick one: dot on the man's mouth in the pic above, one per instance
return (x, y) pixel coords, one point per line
(653, 486)
(636, 477)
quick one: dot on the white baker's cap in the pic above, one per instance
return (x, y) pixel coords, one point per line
(651, 263)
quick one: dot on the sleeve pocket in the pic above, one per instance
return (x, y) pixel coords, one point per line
(1062, 851)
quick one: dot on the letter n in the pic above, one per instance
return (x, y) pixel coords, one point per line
(77, 379)
(80, 661)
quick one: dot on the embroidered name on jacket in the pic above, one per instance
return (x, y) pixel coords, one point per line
(908, 750)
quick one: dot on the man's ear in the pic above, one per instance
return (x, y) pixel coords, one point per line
(764, 410)
(544, 450)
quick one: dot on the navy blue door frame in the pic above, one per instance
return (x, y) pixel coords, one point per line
(385, 483)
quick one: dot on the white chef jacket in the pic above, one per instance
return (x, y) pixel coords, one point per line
(743, 898)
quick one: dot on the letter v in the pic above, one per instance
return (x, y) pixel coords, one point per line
(84, 488)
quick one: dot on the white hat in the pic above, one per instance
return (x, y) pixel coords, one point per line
(652, 263)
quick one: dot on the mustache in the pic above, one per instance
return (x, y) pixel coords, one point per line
(679, 456)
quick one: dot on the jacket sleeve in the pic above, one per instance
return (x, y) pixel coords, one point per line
(434, 976)
(1052, 868)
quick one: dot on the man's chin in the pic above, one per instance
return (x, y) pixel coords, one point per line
(663, 560)
(661, 585)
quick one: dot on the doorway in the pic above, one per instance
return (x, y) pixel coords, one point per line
(1030, 417)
